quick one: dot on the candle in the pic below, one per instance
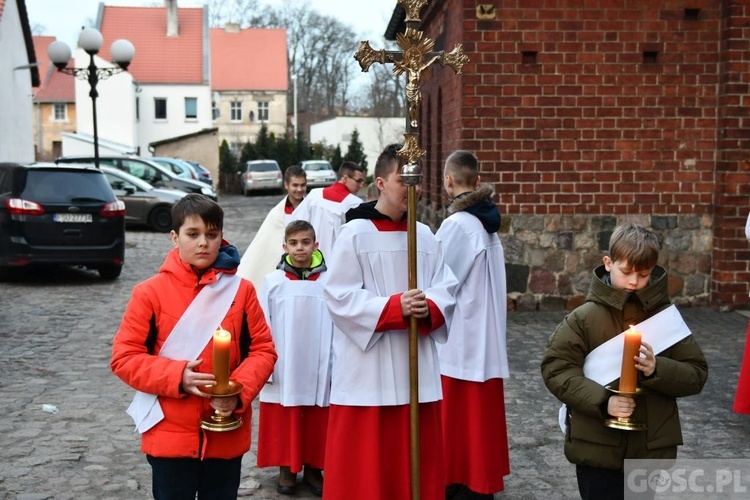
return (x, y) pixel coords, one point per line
(222, 346)
(632, 348)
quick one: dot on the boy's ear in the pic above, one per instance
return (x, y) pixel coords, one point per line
(607, 263)
(479, 181)
(315, 246)
(173, 237)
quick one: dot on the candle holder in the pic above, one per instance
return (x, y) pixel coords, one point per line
(212, 420)
(625, 423)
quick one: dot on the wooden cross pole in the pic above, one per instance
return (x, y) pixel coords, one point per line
(414, 58)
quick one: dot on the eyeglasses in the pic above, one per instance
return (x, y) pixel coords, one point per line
(359, 181)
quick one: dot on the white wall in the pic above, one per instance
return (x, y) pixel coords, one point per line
(151, 130)
(16, 107)
(374, 133)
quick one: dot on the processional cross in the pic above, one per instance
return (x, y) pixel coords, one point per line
(415, 57)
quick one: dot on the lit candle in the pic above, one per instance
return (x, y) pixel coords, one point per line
(632, 348)
(222, 346)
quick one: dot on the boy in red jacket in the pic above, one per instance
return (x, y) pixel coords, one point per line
(163, 351)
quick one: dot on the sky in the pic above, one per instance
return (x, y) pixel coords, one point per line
(64, 18)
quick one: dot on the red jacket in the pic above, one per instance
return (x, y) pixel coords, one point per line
(154, 309)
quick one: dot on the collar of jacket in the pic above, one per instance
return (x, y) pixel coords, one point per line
(226, 262)
(303, 273)
(653, 296)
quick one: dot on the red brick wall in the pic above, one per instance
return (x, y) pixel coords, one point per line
(597, 126)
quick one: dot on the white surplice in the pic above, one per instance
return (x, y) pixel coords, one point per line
(326, 217)
(367, 267)
(302, 329)
(476, 348)
(264, 252)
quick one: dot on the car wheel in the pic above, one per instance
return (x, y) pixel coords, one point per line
(109, 271)
(160, 219)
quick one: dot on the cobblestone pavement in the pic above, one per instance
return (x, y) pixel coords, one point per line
(56, 330)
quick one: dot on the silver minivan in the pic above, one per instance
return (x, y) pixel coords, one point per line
(261, 175)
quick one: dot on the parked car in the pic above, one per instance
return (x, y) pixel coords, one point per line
(204, 174)
(153, 173)
(180, 168)
(62, 215)
(145, 205)
(261, 175)
(320, 173)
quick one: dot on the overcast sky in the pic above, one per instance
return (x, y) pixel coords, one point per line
(64, 18)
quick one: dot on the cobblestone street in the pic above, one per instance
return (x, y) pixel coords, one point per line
(56, 334)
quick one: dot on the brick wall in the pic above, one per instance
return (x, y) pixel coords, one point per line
(588, 113)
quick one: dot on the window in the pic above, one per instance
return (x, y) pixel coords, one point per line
(160, 108)
(236, 111)
(191, 108)
(263, 111)
(60, 112)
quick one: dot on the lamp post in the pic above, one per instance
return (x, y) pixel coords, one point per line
(294, 118)
(90, 40)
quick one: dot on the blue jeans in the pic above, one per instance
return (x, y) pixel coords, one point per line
(182, 478)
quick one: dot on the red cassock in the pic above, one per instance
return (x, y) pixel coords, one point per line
(475, 434)
(292, 436)
(382, 450)
(742, 396)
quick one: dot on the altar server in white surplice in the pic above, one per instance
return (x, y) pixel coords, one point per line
(262, 255)
(367, 449)
(474, 361)
(325, 208)
(294, 404)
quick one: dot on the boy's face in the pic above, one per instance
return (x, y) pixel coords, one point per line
(296, 187)
(354, 182)
(300, 247)
(393, 193)
(625, 277)
(198, 245)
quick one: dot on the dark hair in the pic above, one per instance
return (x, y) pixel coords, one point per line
(200, 205)
(297, 226)
(294, 171)
(388, 161)
(348, 168)
(463, 166)
(635, 244)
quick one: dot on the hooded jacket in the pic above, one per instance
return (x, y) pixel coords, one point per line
(153, 311)
(681, 370)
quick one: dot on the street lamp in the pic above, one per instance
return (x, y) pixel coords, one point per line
(294, 118)
(90, 40)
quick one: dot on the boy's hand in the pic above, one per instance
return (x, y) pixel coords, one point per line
(620, 406)
(646, 362)
(224, 406)
(414, 303)
(192, 379)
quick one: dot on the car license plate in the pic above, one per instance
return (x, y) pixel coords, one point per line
(73, 218)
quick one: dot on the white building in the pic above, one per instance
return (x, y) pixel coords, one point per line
(374, 134)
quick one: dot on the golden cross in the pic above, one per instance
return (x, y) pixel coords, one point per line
(415, 57)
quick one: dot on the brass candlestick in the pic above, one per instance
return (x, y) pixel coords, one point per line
(212, 420)
(625, 423)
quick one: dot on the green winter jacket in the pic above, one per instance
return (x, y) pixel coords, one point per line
(681, 370)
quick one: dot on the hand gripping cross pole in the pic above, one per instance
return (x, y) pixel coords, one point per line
(414, 58)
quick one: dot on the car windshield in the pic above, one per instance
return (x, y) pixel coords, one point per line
(263, 167)
(64, 186)
(313, 167)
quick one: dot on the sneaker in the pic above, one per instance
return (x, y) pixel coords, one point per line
(287, 481)
(314, 479)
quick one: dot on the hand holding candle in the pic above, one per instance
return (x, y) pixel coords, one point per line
(222, 347)
(632, 348)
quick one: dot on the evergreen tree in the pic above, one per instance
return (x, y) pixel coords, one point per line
(263, 144)
(227, 161)
(356, 151)
(248, 153)
(336, 159)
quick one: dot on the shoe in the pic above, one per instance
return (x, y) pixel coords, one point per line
(287, 481)
(314, 479)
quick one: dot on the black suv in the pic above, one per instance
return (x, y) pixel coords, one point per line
(155, 174)
(52, 214)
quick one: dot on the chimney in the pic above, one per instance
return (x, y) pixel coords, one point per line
(232, 27)
(173, 24)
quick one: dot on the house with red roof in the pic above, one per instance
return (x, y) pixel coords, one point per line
(54, 104)
(164, 93)
(18, 74)
(250, 81)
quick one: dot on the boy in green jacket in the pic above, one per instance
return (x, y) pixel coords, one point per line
(629, 288)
